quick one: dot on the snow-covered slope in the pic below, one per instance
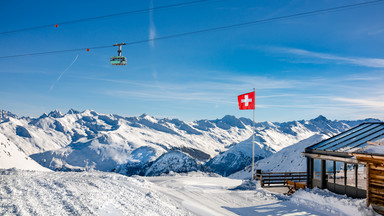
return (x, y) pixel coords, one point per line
(12, 157)
(90, 140)
(81, 193)
(239, 156)
(288, 159)
(105, 194)
(272, 137)
(174, 161)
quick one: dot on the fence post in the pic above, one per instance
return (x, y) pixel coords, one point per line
(269, 181)
(260, 176)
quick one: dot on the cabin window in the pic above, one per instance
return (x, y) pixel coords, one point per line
(362, 176)
(351, 175)
(330, 171)
(317, 168)
(339, 173)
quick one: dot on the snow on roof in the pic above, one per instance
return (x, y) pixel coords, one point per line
(353, 139)
(372, 149)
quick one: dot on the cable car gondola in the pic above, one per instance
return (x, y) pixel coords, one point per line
(118, 60)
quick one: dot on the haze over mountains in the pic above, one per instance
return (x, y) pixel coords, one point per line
(145, 145)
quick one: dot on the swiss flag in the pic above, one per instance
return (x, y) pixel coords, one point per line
(246, 101)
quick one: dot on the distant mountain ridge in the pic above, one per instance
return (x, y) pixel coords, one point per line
(272, 137)
(134, 145)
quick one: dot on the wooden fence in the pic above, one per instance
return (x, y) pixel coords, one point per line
(280, 178)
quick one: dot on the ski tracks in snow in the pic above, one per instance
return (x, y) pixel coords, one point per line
(64, 193)
(208, 195)
(99, 193)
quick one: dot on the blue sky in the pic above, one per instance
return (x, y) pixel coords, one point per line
(330, 64)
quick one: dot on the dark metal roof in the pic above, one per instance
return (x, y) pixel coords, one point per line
(349, 141)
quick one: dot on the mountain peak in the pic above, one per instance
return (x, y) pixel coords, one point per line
(55, 114)
(228, 117)
(72, 111)
(148, 117)
(5, 114)
(90, 112)
(229, 121)
(321, 118)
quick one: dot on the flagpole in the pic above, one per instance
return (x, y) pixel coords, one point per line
(253, 138)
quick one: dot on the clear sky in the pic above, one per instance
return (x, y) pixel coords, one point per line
(330, 64)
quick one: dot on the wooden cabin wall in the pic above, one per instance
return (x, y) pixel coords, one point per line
(375, 181)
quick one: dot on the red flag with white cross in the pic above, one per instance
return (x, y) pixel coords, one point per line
(246, 101)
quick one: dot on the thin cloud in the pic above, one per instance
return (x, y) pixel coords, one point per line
(152, 28)
(360, 61)
(370, 103)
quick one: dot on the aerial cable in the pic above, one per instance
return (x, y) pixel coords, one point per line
(107, 16)
(208, 29)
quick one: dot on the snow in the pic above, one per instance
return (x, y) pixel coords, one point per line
(288, 159)
(12, 157)
(173, 161)
(340, 204)
(376, 148)
(66, 193)
(92, 141)
(207, 195)
(98, 193)
(371, 149)
(106, 142)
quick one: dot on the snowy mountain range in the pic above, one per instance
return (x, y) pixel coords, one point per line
(145, 145)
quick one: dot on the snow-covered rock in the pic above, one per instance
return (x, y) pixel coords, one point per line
(174, 161)
(239, 156)
(12, 157)
(4, 115)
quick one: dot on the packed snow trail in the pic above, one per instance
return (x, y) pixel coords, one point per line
(205, 195)
(65, 193)
(98, 193)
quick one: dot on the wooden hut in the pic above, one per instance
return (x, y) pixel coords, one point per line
(373, 157)
(343, 165)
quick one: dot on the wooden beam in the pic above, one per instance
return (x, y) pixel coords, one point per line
(379, 202)
(377, 172)
(374, 176)
(375, 143)
(374, 196)
(377, 191)
(377, 159)
(377, 183)
(376, 167)
(329, 157)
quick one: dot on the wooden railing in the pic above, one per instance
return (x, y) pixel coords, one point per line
(280, 178)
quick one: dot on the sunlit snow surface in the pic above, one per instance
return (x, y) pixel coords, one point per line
(289, 159)
(71, 193)
(12, 157)
(98, 193)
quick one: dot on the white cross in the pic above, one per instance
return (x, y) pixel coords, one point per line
(246, 100)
